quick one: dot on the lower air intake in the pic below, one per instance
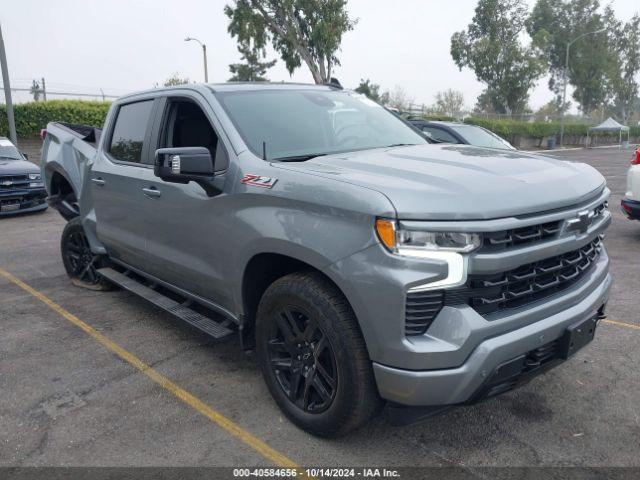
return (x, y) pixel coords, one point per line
(421, 309)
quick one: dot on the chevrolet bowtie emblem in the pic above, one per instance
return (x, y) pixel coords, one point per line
(581, 223)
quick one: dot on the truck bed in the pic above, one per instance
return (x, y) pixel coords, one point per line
(86, 133)
(67, 151)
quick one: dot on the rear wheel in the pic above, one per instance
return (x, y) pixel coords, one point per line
(313, 356)
(79, 261)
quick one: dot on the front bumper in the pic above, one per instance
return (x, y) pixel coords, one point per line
(472, 380)
(461, 348)
(630, 208)
(31, 200)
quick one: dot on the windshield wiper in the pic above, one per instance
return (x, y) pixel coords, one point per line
(400, 145)
(298, 158)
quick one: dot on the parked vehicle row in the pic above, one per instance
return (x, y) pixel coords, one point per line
(367, 267)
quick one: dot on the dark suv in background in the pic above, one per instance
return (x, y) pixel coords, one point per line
(21, 187)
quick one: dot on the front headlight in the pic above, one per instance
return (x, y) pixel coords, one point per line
(414, 242)
(35, 180)
(449, 247)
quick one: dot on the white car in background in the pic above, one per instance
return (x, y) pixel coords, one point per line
(631, 200)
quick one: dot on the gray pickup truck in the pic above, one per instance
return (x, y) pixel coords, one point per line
(367, 267)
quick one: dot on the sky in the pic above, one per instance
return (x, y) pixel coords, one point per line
(120, 46)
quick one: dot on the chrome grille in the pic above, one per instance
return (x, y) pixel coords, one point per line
(527, 283)
(13, 182)
(519, 236)
(421, 309)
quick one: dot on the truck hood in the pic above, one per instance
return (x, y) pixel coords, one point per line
(17, 167)
(460, 182)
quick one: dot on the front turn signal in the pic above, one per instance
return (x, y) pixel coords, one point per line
(386, 230)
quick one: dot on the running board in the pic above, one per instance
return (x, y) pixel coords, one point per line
(193, 318)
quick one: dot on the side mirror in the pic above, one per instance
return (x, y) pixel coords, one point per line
(186, 164)
(26, 157)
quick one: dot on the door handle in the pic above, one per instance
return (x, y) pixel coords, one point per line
(151, 192)
(98, 181)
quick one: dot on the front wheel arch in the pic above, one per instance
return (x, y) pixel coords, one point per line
(261, 271)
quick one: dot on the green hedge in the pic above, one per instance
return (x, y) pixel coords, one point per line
(34, 116)
(510, 129)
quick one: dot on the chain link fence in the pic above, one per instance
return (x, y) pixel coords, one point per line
(29, 90)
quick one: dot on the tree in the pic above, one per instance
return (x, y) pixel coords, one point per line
(398, 98)
(308, 31)
(175, 80)
(627, 65)
(550, 110)
(591, 58)
(491, 47)
(253, 69)
(371, 90)
(450, 102)
(483, 105)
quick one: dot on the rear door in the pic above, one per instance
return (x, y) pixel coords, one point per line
(117, 180)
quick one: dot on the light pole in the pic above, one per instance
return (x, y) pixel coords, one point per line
(564, 81)
(7, 92)
(204, 54)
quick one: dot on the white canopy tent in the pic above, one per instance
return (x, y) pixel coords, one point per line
(609, 125)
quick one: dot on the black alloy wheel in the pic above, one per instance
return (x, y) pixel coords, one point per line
(79, 261)
(83, 262)
(313, 357)
(302, 360)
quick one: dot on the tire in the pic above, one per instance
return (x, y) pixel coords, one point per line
(313, 356)
(79, 262)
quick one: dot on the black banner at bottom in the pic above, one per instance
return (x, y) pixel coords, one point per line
(440, 473)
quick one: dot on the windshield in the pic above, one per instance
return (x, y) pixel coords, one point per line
(480, 137)
(305, 123)
(8, 151)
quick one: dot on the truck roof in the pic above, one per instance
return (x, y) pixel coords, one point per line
(237, 86)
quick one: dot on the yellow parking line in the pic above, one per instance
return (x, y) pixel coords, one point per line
(622, 324)
(223, 422)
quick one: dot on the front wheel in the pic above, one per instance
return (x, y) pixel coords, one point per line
(313, 357)
(79, 261)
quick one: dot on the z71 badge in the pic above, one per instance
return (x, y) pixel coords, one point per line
(258, 181)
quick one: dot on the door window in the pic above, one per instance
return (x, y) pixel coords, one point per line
(129, 130)
(187, 125)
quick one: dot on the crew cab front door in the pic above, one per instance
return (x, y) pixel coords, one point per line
(186, 229)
